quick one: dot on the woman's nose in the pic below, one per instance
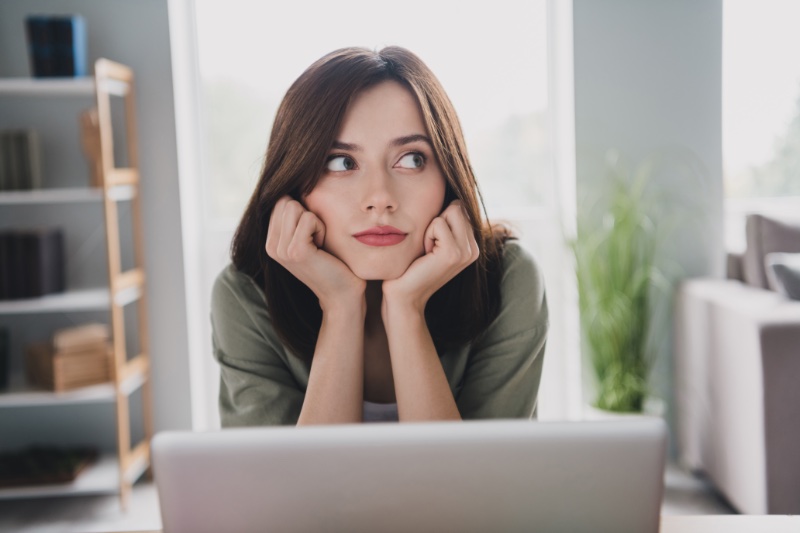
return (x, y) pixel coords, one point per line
(378, 194)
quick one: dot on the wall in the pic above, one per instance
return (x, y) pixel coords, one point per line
(136, 34)
(648, 81)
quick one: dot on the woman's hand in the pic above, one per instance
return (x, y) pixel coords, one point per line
(450, 247)
(294, 239)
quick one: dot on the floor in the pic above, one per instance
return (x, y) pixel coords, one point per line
(684, 495)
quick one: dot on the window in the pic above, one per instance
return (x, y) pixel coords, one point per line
(761, 111)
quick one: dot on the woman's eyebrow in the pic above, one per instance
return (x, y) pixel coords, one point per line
(339, 145)
(400, 141)
(408, 139)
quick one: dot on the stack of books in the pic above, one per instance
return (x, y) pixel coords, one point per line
(20, 160)
(75, 357)
(56, 45)
(31, 263)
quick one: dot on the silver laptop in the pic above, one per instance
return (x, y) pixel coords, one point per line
(475, 476)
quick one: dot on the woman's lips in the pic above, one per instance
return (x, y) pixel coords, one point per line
(380, 236)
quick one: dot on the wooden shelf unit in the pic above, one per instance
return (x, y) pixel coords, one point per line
(115, 472)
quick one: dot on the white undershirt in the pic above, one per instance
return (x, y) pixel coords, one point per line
(380, 412)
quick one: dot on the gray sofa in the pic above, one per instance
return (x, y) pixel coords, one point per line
(737, 378)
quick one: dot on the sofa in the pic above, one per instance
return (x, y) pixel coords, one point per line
(737, 374)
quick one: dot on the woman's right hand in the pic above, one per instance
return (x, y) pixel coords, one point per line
(294, 239)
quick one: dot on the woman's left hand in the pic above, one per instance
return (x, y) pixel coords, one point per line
(450, 247)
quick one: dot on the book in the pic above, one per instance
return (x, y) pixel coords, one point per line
(6, 171)
(3, 162)
(69, 36)
(17, 284)
(57, 45)
(43, 257)
(41, 51)
(31, 263)
(5, 357)
(20, 160)
(34, 159)
(5, 267)
(28, 158)
(13, 167)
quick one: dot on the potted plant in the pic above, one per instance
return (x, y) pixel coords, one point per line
(618, 279)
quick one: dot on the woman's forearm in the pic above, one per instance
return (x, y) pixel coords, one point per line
(335, 391)
(421, 386)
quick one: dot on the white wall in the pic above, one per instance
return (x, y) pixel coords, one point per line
(136, 34)
(647, 80)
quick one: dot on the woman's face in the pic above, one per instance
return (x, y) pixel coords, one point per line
(381, 187)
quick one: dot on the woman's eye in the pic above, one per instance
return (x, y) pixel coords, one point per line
(412, 160)
(340, 163)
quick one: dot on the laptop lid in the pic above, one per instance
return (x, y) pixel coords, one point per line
(493, 475)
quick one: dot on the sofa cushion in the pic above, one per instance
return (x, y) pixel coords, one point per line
(733, 268)
(764, 236)
(783, 271)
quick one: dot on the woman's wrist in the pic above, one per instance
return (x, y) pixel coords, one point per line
(344, 306)
(401, 306)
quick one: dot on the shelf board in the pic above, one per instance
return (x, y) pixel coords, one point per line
(22, 395)
(96, 299)
(58, 86)
(47, 86)
(51, 196)
(100, 478)
(65, 195)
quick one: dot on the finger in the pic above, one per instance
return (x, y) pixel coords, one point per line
(274, 228)
(456, 219)
(310, 229)
(455, 216)
(429, 240)
(291, 215)
(439, 236)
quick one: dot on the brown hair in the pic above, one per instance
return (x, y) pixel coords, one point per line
(305, 128)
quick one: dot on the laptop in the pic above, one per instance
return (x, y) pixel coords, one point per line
(473, 476)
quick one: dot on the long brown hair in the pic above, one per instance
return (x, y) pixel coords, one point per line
(303, 133)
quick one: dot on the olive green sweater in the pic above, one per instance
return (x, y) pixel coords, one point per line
(497, 376)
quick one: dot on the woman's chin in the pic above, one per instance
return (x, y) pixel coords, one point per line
(380, 273)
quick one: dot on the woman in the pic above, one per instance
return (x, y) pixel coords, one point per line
(364, 285)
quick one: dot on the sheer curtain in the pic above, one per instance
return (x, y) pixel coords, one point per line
(505, 66)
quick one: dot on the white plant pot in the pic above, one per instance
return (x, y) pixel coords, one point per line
(653, 407)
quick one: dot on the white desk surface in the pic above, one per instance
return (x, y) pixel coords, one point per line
(730, 524)
(715, 524)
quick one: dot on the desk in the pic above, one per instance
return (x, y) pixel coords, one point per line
(730, 524)
(714, 524)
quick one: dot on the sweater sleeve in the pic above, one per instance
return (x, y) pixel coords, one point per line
(256, 384)
(504, 368)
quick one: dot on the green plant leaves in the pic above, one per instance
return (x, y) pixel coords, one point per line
(617, 279)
